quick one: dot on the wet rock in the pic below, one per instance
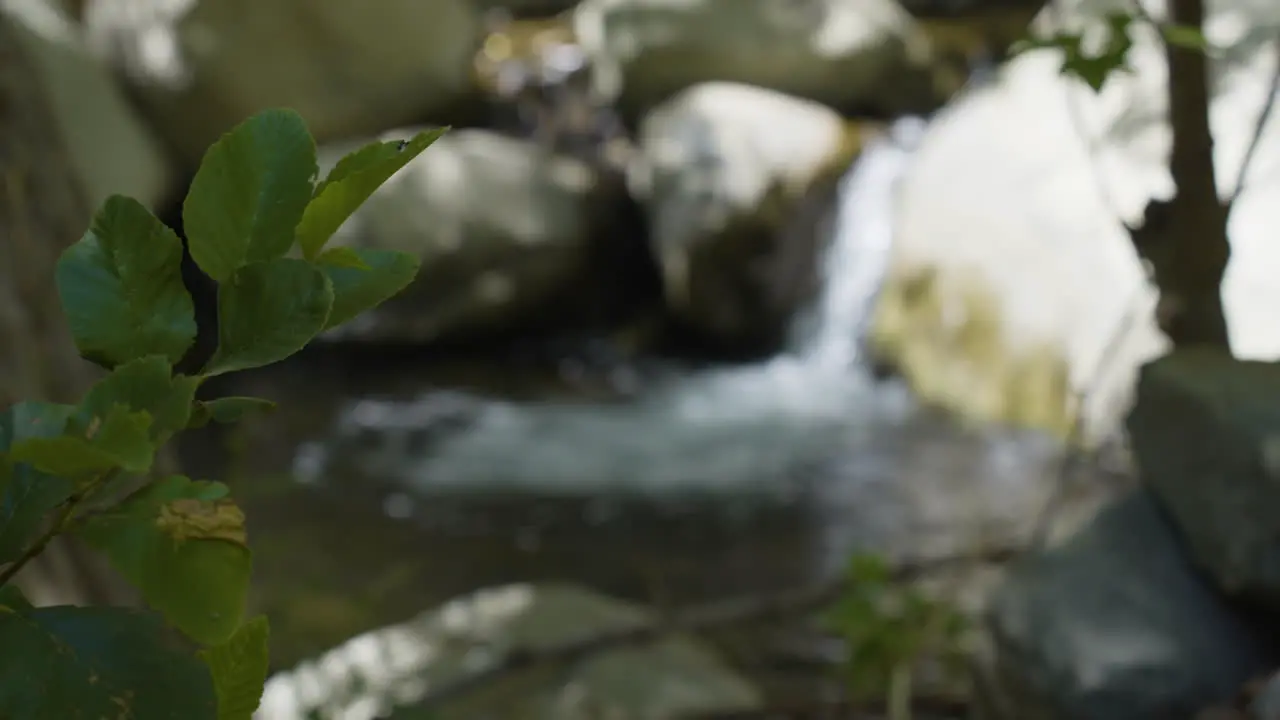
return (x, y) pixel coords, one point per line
(1206, 436)
(1115, 624)
(505, 230)
(1012, 277)
(722, 168)
(1265, 704)
(199, 67)
(847, 55)
(109, 146)
(395, 667)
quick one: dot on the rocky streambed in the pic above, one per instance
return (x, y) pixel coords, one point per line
(664, 248)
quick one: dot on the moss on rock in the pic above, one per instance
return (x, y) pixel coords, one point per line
(943, 332)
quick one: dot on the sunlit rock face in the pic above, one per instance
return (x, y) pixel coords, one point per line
(1014, 285)
(866, 54)
(722, 169)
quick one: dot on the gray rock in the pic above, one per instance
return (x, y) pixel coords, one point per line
(1266, 704)
(1206, 436)
(109, 145)
(722, 166)
(395, 667)
(1115, 624)
(200, 67)
(844, 54)
(504, 230)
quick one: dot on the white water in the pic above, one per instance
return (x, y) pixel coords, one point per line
(743, 427)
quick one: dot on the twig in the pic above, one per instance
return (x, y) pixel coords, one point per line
(1259, 127)
(60, 523)
(34, 549)
(697, 619)
(1073, 449)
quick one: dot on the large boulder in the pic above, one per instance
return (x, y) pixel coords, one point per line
(1206, 436)
(1115, 624)
(200, 67)
(110, 148)
(394, 667)
(505, 231)
(722, 168)
(845, 54)
(1013, 283)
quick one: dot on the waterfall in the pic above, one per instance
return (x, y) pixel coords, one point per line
(741, 427)
(858, 253)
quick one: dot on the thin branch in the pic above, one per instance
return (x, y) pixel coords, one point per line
(1259, 127)
(1075, 114)
(698, 619)
(56, 526)
(1073, 451)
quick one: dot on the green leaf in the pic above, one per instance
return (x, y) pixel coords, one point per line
(121, 287)
(239, 669)
(355, 291)
(868, 572)
(182, 544)
(97, 662)
(1184, 36)
(228, 410)
(146, 384)
(27, 495)
(121, 440)
(342, 257)
(1094, 69)
(351, 182)
(269, 311)
(249, 193)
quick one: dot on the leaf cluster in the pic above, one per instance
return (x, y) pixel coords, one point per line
(257, 223)
(890, 628)
(1095, 67)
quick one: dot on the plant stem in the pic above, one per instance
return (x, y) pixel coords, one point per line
(900, 692)
(34, 549)
(59, 524)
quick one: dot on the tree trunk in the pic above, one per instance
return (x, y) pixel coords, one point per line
(1186, 239)
(42, 210)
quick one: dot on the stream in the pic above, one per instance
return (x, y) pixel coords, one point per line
(376, 494)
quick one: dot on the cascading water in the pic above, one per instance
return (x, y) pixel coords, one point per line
(743, 427)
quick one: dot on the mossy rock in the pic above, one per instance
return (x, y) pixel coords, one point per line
(946, 337)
